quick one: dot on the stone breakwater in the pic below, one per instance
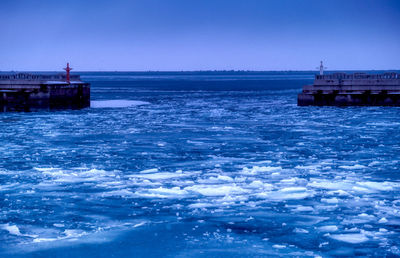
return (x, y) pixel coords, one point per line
(340, 89)
(26, 92)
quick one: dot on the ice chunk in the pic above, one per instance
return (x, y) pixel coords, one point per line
(199, 205)
(73, 233)
(161, 192)
(329, 228)
(339, 193)
(12, 229)
(383, 220)
(216, 190)
(38, 240)
(301, 208)
(151, 170)
(324, 184)
(257, 184)
(225, 178)
(289, 193)
(121, 192)
(380, 186)
(361, 189)
(289, 180)
(357, 166)
(293, 189)
(139, 224)
(366, 216)
(257, 169)
(350, 238)
(333, 200)
(279, 246)
(217, 179)
(44, 169)
(300, 231)
(160, 176)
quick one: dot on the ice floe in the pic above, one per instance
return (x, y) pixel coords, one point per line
(116, 103)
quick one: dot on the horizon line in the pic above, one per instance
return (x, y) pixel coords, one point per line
(195, 71)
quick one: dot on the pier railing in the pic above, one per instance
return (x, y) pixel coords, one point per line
(37, 77)
(345, 76)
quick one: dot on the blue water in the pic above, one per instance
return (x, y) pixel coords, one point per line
(200, 165)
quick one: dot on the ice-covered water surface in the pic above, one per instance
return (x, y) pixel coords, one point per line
(204, 167)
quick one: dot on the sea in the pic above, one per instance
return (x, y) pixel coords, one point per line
(200, 164)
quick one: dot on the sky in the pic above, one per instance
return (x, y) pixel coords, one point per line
(176, 35)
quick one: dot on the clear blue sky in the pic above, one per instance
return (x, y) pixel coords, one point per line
(199, 34)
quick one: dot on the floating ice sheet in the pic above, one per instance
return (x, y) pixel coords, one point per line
(117, 103)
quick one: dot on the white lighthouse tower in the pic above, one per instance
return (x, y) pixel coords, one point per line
(321, 68)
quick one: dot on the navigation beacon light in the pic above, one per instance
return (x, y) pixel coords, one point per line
(321, 68)
(68, 70)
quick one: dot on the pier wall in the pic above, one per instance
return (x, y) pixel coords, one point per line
(352, 90)
(361, 99)
(27, 97)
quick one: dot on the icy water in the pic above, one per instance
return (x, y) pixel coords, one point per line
(178, 165)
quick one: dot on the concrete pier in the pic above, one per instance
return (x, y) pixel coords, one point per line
(359, 89)
(26, 92)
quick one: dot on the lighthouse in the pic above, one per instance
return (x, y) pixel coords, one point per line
(68, 70)
(321, 69)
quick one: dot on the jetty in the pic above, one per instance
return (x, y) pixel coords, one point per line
(358, 89)
(27, 92)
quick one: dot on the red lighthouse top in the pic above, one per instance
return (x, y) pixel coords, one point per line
(68, 70)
